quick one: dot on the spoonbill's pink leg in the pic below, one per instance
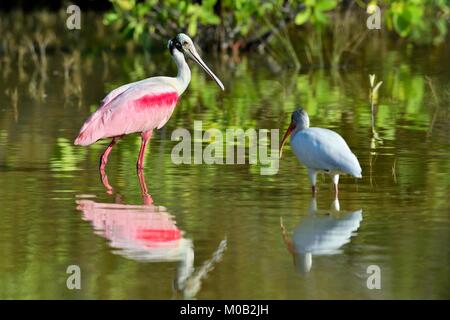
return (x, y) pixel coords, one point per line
(105, 155)
(109, 189)
(146, 136)
(144, 191)
(105, 182)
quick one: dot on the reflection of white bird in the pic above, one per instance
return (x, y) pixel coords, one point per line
(321, 234)
(320, 150)
(148, 233)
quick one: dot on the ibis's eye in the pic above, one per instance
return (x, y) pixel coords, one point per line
(185, 43)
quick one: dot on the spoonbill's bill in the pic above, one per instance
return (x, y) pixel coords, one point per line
(320, 150)
(142, 106)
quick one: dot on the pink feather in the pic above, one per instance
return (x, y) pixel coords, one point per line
(136, 107)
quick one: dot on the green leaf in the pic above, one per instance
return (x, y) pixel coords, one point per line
(325, 5)
(402, 23)
(320, 17)
(125, 5)
(192, 27)
(302, 17)
(111, 17)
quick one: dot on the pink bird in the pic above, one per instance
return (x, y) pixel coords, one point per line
(142, 106)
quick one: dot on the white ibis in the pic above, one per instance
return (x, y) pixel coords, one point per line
(320, 150)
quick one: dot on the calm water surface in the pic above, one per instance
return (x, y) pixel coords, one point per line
(225, 231)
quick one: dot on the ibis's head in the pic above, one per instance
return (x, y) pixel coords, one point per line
(183, 44)
(299, 121)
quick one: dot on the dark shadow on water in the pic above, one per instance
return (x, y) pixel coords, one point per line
(320, 233)
(148, 233)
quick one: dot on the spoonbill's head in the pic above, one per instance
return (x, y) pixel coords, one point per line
(299, 121)
(183, 44)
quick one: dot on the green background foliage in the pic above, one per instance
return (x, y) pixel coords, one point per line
(420, 21)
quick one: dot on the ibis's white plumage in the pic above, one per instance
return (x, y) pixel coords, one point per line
(320, 150)
(325, 150)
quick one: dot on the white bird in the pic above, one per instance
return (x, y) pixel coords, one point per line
(320, 150)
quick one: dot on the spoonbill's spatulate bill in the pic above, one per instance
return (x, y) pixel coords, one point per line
(142, 106)
(320, 150)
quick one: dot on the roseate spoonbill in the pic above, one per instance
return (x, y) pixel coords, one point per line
(320, 233)
(142, 106)
(320, 150)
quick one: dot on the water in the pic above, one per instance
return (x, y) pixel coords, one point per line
(215, 231)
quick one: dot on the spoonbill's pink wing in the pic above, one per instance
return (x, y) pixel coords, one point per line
(110, 96)
(106, 100)
(142, 106)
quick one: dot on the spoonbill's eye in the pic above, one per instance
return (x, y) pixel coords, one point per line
(178, 46)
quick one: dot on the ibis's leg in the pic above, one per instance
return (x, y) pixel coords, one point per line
(335, 183)
(146, 136)
(105, 155)
(313, 206)
(335, 204)
(313, 178)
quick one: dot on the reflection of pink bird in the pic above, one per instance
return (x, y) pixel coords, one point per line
(148, 233)
(141, 232)
(142, 106)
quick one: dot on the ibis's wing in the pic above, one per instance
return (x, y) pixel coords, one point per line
(323, 149)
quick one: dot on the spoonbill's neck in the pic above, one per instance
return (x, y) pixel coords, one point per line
(184, 73)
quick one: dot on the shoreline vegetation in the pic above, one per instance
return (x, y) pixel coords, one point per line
(291, 33)
(37, 48)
